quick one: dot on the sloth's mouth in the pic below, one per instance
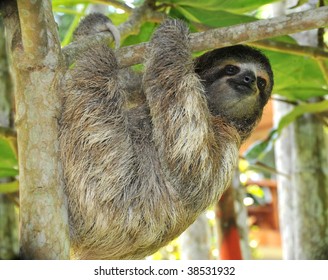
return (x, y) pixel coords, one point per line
(242, 88)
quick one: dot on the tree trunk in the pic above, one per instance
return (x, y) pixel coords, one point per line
(38, 67)
(301, 152)
(195, 241)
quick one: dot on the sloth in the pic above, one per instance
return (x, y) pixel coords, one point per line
(137, 174)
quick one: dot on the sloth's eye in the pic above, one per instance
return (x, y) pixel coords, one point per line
(231, 70)
(261, 83)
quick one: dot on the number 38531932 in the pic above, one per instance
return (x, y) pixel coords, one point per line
(203, 270)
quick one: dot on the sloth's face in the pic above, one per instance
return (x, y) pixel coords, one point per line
(236, 88)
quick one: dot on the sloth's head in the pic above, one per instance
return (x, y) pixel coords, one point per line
(238, 82)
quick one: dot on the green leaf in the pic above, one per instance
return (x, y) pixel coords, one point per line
(239, 6)
(212, 18)
(144, 35)
(117, 18)
(297, 77)
(300, 110)
(260, 148)
(9, 187)
(255, 190)
(69, 34)
(8, 172)
(56, 3)
(8, 160)
(69, 11)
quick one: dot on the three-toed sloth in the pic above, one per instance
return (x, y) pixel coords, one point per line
(137, 176)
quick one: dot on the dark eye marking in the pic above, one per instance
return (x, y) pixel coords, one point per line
(231, 70)
(218, 73)
(261, 83)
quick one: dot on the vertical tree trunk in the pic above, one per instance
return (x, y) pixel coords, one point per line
(301, 152)
(38, 68)
(196, 240)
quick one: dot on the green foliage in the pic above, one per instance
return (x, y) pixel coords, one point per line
(300, 110)
(69, 34)
(143, 36)
(237, 6)
(255, 190)
(10, 187)
(8, 166)
(8, 160)
(210, 17)
(65, 17)
(56, 3)
(260, 148)
(297, 77)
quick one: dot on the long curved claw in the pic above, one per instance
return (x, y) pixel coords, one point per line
(115, 32)
(97, 23)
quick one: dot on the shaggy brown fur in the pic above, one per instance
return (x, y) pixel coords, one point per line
(138, 177)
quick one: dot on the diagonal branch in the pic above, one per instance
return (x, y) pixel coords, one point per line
(217, 38)
(279, 46)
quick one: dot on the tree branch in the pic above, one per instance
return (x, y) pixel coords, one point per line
(313, 52)
(137, 18)
(261, 29)
(115, 4)
(316, 53)
(216, 38)
(33, 28)
(131, 26)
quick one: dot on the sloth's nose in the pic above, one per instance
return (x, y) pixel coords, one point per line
(249, 78)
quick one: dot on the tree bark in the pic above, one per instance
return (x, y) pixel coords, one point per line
(196, 240)
(38, 67)
(301, 151)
